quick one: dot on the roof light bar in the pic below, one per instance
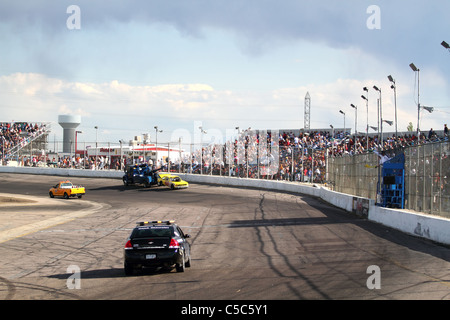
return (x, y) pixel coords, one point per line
(142, 223)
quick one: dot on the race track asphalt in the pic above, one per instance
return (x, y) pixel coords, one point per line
(247, 244)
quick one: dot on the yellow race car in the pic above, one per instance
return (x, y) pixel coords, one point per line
(162, 177)
(175, 182)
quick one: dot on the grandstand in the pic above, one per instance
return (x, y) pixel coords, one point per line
(23, 142)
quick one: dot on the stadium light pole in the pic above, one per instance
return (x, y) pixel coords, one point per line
(356, 124)
(380, 123)
(76, 140)
(332, 139)
(156, 145)
(367, 116)
(380, 117)
(356, 118)
(340, 111)
(201, 148)
(394, 87)
(96, 146)
(415, 69)
(144, 138)
(121, 154)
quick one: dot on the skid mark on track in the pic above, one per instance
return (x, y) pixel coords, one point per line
(10, 289)
(265, 251)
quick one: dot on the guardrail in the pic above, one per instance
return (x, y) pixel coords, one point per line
(413, 223)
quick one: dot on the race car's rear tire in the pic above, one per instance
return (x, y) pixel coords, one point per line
(51, 194)
(128, 268)
(188, 263)
(182, 266)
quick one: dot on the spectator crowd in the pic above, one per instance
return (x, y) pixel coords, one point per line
(253, 154)
(301, 157)
(16, 135)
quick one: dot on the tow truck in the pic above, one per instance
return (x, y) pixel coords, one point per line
(140, 174)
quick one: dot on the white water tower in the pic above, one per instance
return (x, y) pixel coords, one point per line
(69, 124)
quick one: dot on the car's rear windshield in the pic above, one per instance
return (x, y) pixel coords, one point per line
(153, 231)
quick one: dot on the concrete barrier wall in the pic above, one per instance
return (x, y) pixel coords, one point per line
(63, 172)
(421, 225)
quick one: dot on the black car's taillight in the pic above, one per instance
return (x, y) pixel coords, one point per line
(173, 244)
(128, 245)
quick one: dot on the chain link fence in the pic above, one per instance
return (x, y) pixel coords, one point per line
(427, 171)
(356, 175)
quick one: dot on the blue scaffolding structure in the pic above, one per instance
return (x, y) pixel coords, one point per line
(393, 183)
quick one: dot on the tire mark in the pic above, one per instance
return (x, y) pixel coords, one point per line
(49, 290)
(10, 287)
(284, 257)
(69, 250)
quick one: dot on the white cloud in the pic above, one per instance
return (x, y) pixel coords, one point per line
(120, 107)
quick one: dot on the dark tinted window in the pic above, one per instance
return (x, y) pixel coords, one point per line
(154, 231)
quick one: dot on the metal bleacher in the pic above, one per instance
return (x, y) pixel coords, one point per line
(30, 143)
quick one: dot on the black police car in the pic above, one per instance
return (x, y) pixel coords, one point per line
(157, 244)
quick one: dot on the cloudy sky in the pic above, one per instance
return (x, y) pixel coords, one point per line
(127, 66)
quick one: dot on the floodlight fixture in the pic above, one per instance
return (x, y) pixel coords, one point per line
(393, 86)
(429, 109)
(413, 67)
(445, 45)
